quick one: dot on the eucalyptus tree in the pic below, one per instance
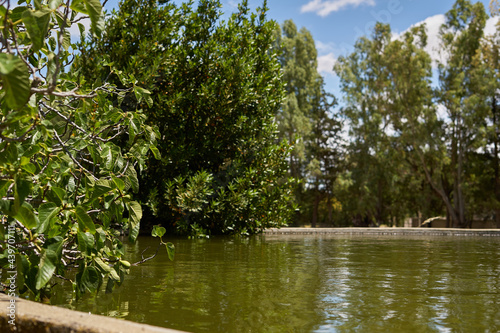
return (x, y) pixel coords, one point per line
(461, 37)
(486, 79)
(65, 185)
(418, 131)
(298, 59)
(324, 154)
(307, 119)
(391, 105)
(373, 164)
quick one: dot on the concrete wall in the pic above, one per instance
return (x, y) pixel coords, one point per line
(32, 317)
(414, 222)
(386, 231)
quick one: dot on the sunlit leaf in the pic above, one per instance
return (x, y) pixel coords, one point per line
(170, 250)
(158, 231)
(46, 212)
(47, 268)
(15, 80)
(85, 222)
(26, 216)
(37, 25)
(135, 215)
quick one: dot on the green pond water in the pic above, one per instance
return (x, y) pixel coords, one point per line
(311, 284)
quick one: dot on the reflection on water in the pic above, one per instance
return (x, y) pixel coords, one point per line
(311, 284)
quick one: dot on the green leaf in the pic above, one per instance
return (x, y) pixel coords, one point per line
(47, 267)
(93, 9)
(29, 168)
(158, 231)
(26, 216)
(15, 80)
(66, 41)
(135, 215)
(84, 220)
(119, 183)
(4, 186)
(132, 180)
(17, 13)
(5, 207)
(37, 25)
(54, 4)
(155, 152)
(32, 150)
(114, 275)
(81, 27)
(21, 191)
(107, 157)
(101, 187)
(170, 250)
(141, 93)
(55, 244)
(85, 241)
(89, 279)
(102, 265)
(10, 155)
(46, 212)
(79, 6)
(57, 195)
(109, 286)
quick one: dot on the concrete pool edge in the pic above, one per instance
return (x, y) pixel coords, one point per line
(35, 317)
(385, 231)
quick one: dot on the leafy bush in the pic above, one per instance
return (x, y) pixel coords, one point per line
(215, 88)
(65, 183)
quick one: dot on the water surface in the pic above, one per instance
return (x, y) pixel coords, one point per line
(311, 283)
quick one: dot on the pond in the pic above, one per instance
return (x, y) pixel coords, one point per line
(311, 284)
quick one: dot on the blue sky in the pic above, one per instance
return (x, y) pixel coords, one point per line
(337, 24)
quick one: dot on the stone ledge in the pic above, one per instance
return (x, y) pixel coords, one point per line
(33, 317)
(385, 231)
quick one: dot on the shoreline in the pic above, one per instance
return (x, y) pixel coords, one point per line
(385, 231)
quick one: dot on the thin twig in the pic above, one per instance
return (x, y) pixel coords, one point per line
(148, 258)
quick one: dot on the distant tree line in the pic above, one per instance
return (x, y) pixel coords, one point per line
(413, 148)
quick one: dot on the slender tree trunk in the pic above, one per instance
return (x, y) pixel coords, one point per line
(317, 199)
(496, 160)
(439, 191)
(330, 210)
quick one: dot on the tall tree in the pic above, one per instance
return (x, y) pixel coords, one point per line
(306, 119)
(372, 162)
(323, 148)
(298, 58)
(461, 37)
(413, 115)
(486, 79)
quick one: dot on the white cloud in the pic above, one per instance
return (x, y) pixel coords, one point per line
(323, 47)
(325, 7)
(326, 63)
(491, 26)
(433, 25)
